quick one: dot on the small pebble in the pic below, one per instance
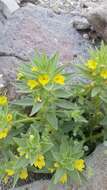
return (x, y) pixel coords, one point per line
(85, 36)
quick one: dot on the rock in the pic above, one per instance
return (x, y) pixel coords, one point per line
(1, 82)
(1, 26)
(97, 170)
(11, 5)
(98, 19)
(4, 12)
(39, 185)
(86, 36)
(81, 23)
(33, 27)
(23, 2)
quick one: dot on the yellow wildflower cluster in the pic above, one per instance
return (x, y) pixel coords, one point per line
(4, 133)
(3, 100)
(59, 79)
(44, 80)
(40, 162)
(63, 179)
(23, 174)
(79, 165)
(91, 64)
(10, 172)
(32, 84)
(103, 74)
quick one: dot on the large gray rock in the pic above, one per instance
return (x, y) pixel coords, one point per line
(98, 19)
(40, 185)
(97, 170)
(4, 12)
(11, 5)
(35, 28)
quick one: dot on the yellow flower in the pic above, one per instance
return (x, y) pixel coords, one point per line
(3, 100)
(34, 69)
(43, 79)
(103, 74)
(40, 162)
(63, 179)
(59, 79)
(23, 174)
(4, 133)
(32, 84)
(91, 64)
(10, 172)
(20, 76)
(9, 117)
(56, 165)
(79, 165)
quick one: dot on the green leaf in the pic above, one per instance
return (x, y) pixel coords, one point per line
(104, 121)
(23, 102)
(56, 155)
(46, 146)
(59, 173)
(104, 98)
(15, 179)
(64, 104)
(64, 147)
(75, 177)
(21, 163)
(62, 93)
(95, 92)
(36, 108)
(34, 131)
(19, 141)
(52, 119)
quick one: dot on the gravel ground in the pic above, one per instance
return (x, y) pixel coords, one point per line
(65, 6)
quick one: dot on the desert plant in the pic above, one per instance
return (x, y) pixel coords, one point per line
(56, 122)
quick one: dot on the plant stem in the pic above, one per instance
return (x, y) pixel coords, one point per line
(24, 120)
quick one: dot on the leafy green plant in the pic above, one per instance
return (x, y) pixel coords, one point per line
(56, 122)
